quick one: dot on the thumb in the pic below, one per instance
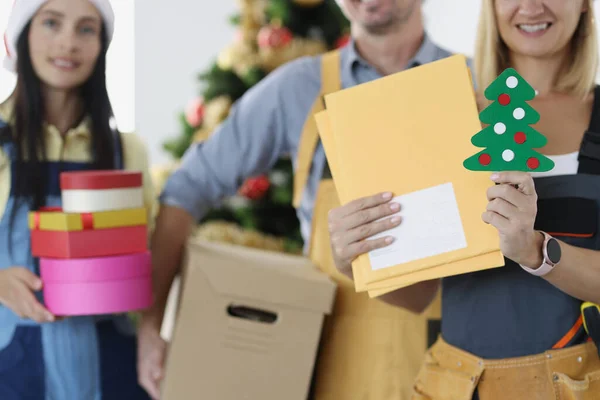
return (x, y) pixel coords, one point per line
(29, 278)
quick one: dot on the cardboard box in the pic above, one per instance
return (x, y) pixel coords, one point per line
(248, 325)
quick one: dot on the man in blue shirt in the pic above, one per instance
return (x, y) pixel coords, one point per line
(267, 122)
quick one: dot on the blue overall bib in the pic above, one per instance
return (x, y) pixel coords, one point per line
(506, 312)
(79, 358)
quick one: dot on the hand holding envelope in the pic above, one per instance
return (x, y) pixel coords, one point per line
(352, 224)
(409, 133)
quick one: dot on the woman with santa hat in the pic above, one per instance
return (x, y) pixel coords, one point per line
(58, 118)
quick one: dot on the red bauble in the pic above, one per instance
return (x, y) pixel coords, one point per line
(485, 159)
(533, 163)
(504, 99)
(520, 137)
(271, 37)
(255, 188)
(194, 113)
(342, 41)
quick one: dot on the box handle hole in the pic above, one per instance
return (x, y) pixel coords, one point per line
(252, 314)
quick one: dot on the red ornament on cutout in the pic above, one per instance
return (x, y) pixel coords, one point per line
(520, 137)
(504, 99)
(533, 163)
(485, 159)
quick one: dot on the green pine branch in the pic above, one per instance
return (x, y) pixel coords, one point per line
(278, 10)
(221, 82)
(235, 19)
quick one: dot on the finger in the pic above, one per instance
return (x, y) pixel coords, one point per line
(366, 231)
(508, 193)
(365, 246)
(29, 278)
(41, 314)
(496, 220)
(502, 207)
(152, 386)
(34, 309)
(364, 203)
(523, 180)
(363, 217)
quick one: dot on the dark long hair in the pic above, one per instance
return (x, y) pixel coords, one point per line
(29, 114)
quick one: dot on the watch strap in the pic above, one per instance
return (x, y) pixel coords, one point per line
(547, 265)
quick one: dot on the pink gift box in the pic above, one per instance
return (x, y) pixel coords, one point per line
(103, 285)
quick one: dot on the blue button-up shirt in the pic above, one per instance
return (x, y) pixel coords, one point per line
(264, 125)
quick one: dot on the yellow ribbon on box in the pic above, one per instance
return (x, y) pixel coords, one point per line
(52, 219)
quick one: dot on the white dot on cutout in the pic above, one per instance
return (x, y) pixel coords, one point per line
(508, 155)
(499, 128)
(512, 82)
(519, 113)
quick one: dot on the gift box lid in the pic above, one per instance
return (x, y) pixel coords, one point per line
(53, 219)
(96, 269)
(100, 179)
(267, 276)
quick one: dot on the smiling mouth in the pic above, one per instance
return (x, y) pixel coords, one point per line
(534, 28)
(64, 64)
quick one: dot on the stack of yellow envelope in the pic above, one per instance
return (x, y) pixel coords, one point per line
(409, 133)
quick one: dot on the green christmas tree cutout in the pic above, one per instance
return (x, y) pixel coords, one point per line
(508, 140)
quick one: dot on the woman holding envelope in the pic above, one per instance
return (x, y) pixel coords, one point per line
(57, 119)
(517, 332)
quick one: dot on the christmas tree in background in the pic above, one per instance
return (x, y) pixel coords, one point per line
(509, 141)
(270, 33)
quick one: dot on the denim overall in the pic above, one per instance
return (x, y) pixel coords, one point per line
(506, 312)
(78, 358)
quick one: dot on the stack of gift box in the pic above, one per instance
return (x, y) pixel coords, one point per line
(93, 251)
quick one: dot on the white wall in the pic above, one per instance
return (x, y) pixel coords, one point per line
(451, 26)
(175, 40)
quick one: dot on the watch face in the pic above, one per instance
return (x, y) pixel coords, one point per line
(553, 250)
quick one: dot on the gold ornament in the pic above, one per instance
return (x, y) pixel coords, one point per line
(201, 134)
(221, 231)
(159, 175)
(216, 110)
(225, 58)
(238, 57)
(271, 58)
(252, 14)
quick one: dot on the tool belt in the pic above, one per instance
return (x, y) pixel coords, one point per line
(566, 371)
(450, 373)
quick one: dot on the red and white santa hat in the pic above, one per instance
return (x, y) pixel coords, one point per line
(24, 10)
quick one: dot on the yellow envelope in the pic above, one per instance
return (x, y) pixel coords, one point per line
(493, 259)
(364, 135)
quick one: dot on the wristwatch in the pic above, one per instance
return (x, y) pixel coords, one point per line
(551, 254)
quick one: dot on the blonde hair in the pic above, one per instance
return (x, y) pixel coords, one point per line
(491, 53)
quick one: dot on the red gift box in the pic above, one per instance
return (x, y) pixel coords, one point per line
(88, 241)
